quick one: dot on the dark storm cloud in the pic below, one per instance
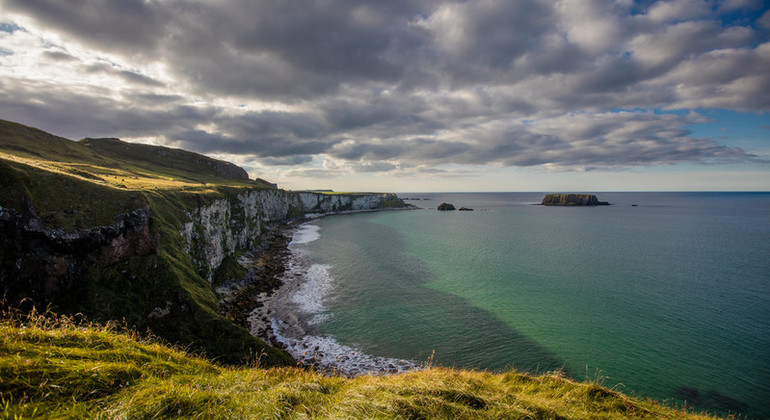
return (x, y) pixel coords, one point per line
(129, 25)
(613, 139)
(59, 56)
(387, 85)
(287, 161)
(258, 145)
(264, 134)
(126, 75)
(150, 99)
(58, 110)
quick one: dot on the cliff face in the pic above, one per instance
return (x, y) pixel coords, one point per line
(572, 200)
(154, 266)
(40, 263)
(229, 225)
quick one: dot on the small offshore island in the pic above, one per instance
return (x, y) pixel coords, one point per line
(159, 261)
(572, 200)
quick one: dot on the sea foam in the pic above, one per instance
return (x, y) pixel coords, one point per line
(300, 310)
(329, 355)
(305, 234)
(310, 294)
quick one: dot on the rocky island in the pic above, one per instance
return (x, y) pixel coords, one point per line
(572, 200)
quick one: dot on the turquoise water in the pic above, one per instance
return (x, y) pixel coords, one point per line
(669, 299)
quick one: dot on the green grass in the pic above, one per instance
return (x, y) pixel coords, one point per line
(117, 164)
(83, 185)
(54, 367)
(63, 201)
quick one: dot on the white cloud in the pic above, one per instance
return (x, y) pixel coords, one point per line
(593, 25)
(678, 10)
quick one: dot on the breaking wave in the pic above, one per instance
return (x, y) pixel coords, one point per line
(299, 307)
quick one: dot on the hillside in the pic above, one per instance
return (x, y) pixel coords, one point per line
(119, 164)
(56, 368)
(145, 234)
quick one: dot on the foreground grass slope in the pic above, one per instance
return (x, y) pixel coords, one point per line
(55, 368)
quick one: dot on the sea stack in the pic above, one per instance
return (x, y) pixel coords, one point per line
(572, 200)
(445, 206)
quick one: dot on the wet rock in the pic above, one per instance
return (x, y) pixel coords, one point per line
(445, 207)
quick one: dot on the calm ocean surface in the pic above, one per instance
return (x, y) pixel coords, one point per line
(669, 299)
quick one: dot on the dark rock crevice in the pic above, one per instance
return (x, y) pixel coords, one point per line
(41, 263)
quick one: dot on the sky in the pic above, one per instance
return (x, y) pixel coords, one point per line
(410, 95)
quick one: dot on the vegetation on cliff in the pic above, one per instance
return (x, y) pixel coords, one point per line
(59, 205)
(141, 233)
(53, 367)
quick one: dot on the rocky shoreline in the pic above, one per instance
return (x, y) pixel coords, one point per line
(249, 302)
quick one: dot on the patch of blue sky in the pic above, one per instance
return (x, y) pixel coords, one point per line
(748, 130)
(9, 27)
(746, 16)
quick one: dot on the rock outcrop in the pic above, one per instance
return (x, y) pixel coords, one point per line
(572, 200)
(40, 262)
(234, 224)
(445, 207)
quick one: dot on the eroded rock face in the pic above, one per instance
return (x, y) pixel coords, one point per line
(230, 225)
(44, 263)
(572, 200)
(39, 262)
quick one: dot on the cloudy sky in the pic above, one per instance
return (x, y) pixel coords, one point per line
(410, 95)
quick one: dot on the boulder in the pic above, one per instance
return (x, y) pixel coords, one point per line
(445, 206)
(465, 209)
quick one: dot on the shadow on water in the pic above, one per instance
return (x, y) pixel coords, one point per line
(478, 340)
(711, 400)
(381, 305)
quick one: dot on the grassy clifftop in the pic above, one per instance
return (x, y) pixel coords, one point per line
(54, 188)
(117, 164)
(55, 368)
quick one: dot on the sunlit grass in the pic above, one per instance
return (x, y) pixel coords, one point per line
(122, 179)
(54, 367)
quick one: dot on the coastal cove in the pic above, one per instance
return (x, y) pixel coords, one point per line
(666, 299)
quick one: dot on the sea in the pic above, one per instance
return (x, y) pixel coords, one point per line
(659, 295)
